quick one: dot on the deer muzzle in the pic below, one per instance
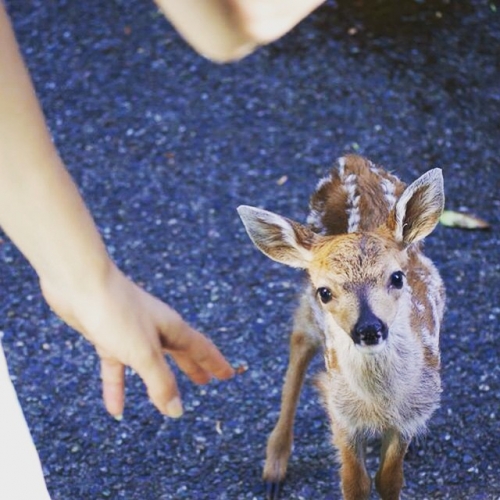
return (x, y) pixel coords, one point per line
(369, 330)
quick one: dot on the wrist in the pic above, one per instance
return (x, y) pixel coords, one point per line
(64, 288)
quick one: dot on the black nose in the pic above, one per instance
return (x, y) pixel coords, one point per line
(369, 330)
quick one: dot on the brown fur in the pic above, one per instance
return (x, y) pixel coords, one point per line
(331, 199)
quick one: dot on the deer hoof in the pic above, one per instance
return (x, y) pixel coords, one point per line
(273, 489)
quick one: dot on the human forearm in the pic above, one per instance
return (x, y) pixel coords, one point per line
(40, 207)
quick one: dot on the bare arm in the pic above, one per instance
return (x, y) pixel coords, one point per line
(44, 215)
(225, 30)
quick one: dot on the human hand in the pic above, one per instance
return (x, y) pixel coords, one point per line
(227, 30)
(130, 327)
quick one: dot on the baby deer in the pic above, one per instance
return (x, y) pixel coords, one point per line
(374, 303)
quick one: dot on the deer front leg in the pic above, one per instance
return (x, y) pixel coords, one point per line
(354, 478)
(390, 477)
(303, 346)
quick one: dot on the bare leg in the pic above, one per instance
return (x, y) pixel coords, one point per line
(20, 467)
(390, 477)
(302, 349)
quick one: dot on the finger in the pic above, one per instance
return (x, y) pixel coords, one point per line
(160, 383)
(194, 371)
(113, 386)
(204, 352)
(179, 337)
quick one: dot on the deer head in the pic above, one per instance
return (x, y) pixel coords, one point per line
(359, 279)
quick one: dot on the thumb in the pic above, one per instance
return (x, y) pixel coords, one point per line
(195, 354)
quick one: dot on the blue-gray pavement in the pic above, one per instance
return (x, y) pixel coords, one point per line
(164, 146)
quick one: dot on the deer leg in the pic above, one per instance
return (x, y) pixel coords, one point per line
(303, 346)
(390, 477)
(354, 478)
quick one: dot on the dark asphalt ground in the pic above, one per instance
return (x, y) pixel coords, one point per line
(165, 145)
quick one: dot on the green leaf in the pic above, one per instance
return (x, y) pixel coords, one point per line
(451, 218)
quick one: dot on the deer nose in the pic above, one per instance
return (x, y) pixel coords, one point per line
(369, 331)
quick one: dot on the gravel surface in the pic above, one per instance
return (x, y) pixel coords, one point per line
(165, 145)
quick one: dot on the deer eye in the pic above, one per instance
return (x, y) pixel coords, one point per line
(397, 280)
(325, 294)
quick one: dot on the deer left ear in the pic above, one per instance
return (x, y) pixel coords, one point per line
(417, 211)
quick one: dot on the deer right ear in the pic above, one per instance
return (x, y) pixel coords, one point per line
(281, 239)
(418, 209)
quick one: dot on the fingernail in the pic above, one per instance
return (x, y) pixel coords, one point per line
(174, 408)
(119, 417)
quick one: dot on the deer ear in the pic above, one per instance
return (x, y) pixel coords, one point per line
(281, 239)
(417, 211)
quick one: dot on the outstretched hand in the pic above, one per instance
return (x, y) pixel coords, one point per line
(130, 327)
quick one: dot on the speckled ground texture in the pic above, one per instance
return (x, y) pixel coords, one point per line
(165, 145)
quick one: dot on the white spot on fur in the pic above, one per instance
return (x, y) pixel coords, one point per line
(341, 166)
(435, 289)
(376, 170)
(322, 182)
(315, 220)
(389, 190)
(353, 214)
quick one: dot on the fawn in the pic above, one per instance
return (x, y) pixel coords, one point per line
(374, 303)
